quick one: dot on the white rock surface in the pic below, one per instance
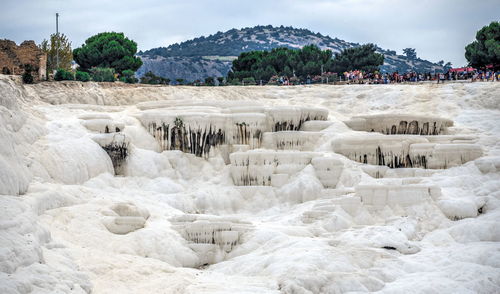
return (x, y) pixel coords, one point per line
(391, 124)
(174, 222)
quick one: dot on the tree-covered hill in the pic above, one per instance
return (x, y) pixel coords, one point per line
(212, 55)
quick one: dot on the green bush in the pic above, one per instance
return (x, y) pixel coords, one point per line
(63, 75)
(234, 82)
(103, 74)
(82, 76)
(152, 79)
(128, 73)
(209, 81)
(128, 77)
(129, 80)
(27, 78)
(249, 81)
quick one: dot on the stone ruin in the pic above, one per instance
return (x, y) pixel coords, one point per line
(14, 58)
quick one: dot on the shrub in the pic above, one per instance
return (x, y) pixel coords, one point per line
(63, 75)
(27, 78)
(82, 76)
(249, 81)
(129, 80)
(234, 82)
(152, 79)
(128, 77)
(209, 81)
(103, 74)
(128, 73)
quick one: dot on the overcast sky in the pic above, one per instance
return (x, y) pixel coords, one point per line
(437, 29)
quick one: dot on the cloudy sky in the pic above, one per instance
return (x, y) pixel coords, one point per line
(437, 29)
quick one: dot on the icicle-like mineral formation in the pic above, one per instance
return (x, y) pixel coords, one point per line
(290, 140)
(404, 151)
(199, 128)
(117, 147)
(291, 118)
(191, 132)
(110, 137)
(399, 124)
(257, 167)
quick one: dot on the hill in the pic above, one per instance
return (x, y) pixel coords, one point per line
(212, 55)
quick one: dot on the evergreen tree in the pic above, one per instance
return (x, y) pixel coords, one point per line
(410, 53)
(485, 50)
(109, 50)
(358, 58)
(302, 63)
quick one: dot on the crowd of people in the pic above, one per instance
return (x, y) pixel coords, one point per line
(357, 76)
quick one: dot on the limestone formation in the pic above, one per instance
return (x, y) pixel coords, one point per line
(400, 124)
(123, 218)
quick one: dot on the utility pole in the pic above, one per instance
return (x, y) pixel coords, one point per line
(57, 40)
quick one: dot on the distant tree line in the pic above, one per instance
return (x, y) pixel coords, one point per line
(104, 57)
(303, 63)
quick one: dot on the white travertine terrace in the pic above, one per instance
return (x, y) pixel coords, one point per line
(123, 218)
(211, 237)
(392, 124)
(290, 140)
(257, 167)
(201, 127)
(321, 224)
(109, 136)
(382, 171)
(405, 150)
(402, 194)
(315, 125)
(101, 123)
(116, 146)
(291, 118)
(327, 170)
